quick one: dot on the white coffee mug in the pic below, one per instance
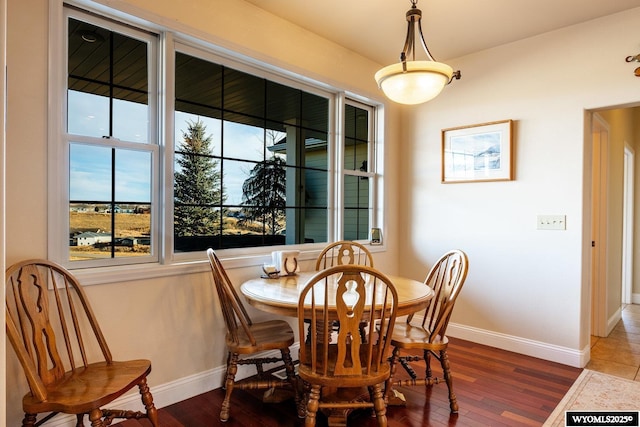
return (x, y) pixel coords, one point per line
(286, 262)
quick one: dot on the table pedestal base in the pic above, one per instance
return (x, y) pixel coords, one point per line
(337, 416)
(396, 398)
(277, 395)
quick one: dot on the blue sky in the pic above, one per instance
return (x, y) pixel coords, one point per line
(90, 165)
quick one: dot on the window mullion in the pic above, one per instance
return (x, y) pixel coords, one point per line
(338, 164)
(166, 103)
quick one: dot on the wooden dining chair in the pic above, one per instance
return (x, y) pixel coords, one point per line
(428, 332)
(343, 252)
(244, 339)
(52, 329)
(335, 370)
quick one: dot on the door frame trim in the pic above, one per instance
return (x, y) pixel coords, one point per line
(599, 182)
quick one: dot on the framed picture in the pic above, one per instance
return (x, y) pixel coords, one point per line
(478, 152)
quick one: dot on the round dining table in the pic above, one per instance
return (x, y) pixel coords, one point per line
(280, 295)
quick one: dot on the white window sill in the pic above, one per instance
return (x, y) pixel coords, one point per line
(129, 273)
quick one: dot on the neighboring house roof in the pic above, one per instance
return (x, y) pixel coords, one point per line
(309, 144)
(88, 234)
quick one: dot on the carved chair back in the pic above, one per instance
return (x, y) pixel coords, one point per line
(344, 252)
(49, 322)
(350, 294)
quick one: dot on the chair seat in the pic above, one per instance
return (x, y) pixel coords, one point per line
(90, 387)
(306, 372)
(344, 381)
(410, 336)
(269, 335)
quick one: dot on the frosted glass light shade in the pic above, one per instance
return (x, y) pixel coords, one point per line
(422, 81)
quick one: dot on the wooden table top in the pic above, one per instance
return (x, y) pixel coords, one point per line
(280, 295)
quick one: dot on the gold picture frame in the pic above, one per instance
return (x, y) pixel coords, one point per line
(478, 153)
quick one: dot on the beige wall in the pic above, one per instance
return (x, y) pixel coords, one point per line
(25, 151)
(3, 95)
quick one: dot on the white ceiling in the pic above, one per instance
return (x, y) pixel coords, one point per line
(377, 28)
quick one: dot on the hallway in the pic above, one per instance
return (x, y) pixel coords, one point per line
(619, 353)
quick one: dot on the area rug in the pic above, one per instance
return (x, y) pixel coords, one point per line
(595, 391)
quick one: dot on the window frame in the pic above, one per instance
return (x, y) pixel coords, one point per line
(60, 140)
(208, 54)
(370, 173)
(170, 41)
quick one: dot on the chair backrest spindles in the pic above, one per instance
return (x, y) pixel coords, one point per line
(446, 278)
(344, 252)
(63, 319)
(235, 314)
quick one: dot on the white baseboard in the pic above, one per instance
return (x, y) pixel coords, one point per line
(613, 320)
(554, 353)
(174, 391)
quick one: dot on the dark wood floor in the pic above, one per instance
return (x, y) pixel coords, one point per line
(494, 388)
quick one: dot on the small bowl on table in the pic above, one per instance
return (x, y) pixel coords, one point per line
(270, 271)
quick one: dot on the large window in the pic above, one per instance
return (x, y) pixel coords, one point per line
(235, 157)
(251, 160)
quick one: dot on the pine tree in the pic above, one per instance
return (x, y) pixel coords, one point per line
(197, 188)
(264, 193)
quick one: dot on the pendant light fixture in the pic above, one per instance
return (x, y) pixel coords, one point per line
(410, 81)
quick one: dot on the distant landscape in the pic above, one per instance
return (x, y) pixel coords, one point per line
(127, 225)
(131, 225)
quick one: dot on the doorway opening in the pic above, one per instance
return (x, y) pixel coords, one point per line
(614, 136)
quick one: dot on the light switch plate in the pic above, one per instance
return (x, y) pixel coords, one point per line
(552, 222)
